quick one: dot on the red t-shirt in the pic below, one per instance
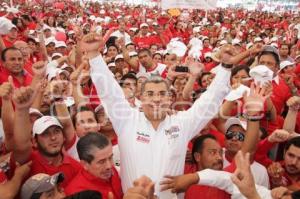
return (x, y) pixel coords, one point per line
(85, 181)
(3, 177)
(205, 192)
(4, 74)
(281, 95)
(69, 167)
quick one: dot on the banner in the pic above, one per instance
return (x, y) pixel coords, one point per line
(189, 4)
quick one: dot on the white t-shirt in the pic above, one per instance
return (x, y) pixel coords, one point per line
(160, 68)
(259, 172)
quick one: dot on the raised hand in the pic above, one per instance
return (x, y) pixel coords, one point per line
(195, 67)
(6, 89)
(242, 177)
(279, 135)
(23, 97)
(23, 170)
(294, 103)
(91, 43)
(254, 102)
(39, 68)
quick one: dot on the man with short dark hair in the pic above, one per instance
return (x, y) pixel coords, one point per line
(13, 65)
(287, 172)
(147, 65)
(98, 173)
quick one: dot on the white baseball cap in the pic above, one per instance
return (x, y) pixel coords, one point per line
(59, 44)
(133, 53)
(144, 25)
(119, 56)
(50, 40)
(235, 121)
(285, 64)
(43, 123)
(236, 42)
(257, 39)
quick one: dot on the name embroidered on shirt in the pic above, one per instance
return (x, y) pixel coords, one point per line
(143, 139)
(172, 130)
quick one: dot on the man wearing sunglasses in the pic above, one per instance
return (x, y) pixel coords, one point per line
(235, 131)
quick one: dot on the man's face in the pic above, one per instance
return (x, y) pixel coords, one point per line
(120, 63)
(104, 121)
(292, 160)
(101, 165)
(50, 48)
(144, 30)
(122, 26)
(130, 83)
(130, 48)
(211, 156)
(284, 51)
(14, 61)
(145, 59)
(235, 142)
(50, 142)
(155, 100)
(24, 48)
(85, 123)
(206, 43)
(153, 49)
(56, 193)
(61, 50)
(170, 60)
(269, 61)
(13, 34)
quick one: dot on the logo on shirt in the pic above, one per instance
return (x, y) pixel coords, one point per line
(143, 137)
(172, 133)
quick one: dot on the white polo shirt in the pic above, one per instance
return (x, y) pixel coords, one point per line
(144, 150)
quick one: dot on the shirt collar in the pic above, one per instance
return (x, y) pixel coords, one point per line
(276, 79)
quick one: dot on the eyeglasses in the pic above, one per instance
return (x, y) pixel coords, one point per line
(238, 135)
(161, 94)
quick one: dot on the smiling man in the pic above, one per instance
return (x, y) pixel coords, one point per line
(151, 142)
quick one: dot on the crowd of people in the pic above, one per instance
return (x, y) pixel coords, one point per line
(119, 101)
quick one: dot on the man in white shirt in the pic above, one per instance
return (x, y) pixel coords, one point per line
(121, 33)
(151, 142)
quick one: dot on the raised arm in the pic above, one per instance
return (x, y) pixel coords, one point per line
(7, 113)
(290, 120)
(23, 99)
(109, 91)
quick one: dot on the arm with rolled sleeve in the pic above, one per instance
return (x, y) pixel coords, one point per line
(111, 94)
(222, 180)
(207, 106)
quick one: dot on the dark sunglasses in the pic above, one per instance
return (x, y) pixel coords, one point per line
(238, 135)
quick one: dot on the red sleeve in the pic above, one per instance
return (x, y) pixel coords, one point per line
(3, 177)
(261, 154)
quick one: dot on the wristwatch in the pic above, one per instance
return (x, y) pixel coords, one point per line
(229, 66)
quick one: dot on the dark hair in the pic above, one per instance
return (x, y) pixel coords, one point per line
(198, 143)
(111, 41)
(88, 142)
(237, 69)
(294, 141)
(26, 17)
(86, 194)
(3, 57)
(202, 75)
(127, 76)
(276, 56)
(83, 109)
(15, 21)
(145, 50)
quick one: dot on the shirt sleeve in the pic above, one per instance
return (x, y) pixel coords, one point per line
(112, 97)
(207, 106)
(222, 180)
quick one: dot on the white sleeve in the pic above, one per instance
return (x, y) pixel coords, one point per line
(215, 178)
(222, 180)
(207, 106)
(111, 95)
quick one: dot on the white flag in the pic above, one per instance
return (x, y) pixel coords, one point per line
(189, 4)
